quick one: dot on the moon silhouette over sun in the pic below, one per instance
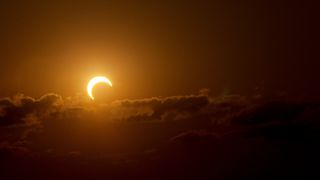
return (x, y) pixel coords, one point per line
(94, 81)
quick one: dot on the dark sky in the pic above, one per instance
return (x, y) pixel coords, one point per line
(159, 48)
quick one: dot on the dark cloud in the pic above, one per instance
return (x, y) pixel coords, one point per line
(13, 150)
(194, 136)
(15, 110)
(272, 111)
(170, 108)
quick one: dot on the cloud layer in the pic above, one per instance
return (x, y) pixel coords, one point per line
(194, 136)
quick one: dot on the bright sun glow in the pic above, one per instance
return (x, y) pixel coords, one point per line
(94, 81)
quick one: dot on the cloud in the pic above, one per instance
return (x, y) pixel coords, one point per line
(170, 108)
(179, 114)
(17, 110)
(8, 150)
(220, 115)
(195, 136)
(270, 111)
(201, 135)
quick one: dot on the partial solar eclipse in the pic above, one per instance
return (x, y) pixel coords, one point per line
(94, 81)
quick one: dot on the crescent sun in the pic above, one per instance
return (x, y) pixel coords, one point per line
(94, 81)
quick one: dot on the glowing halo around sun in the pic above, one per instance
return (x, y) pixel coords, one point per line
(94, 81)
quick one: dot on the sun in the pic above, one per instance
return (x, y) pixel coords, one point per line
(94, 81)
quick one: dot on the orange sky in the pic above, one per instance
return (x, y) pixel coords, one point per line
(156, 49)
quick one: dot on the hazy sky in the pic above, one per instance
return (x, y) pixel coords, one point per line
(158, 49)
